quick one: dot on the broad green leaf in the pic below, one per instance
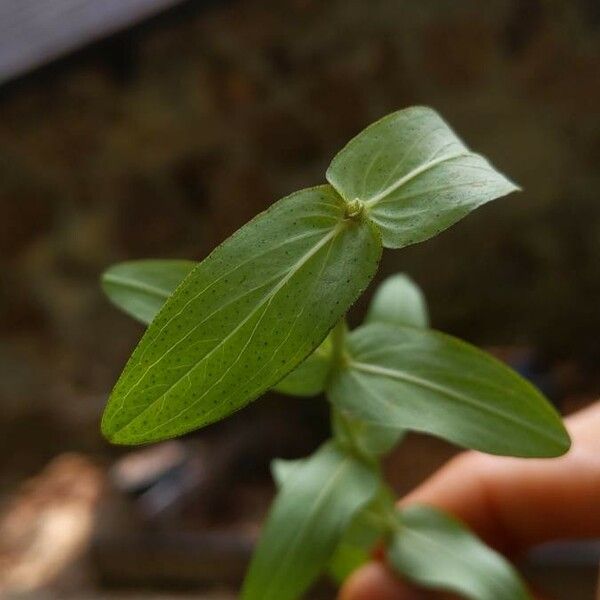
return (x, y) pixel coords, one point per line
(309, 378)
(414, 176)
(435, 550)
(368, 438)
(399, 301)
(426, 381)
(317, 501)
(141, 287)
(357, 541)
(244, 317)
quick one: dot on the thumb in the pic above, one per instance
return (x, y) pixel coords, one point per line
(375, 582)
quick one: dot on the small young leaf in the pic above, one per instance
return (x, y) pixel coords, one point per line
(399, 301)
(309, 377)
(282, 468)
(368, 438)
(244, 317)
(141, 287)
(426, 381)
(436, 551)
(414, 175)
(317, 501)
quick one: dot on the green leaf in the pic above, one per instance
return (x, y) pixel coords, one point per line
(426, 381)
(141, 287)
(414, 176)
(356, 542)
(309, 378)
(316, 503)
(435, 550)
(367, 438)
(399, 301)
(244, 317)
(282, 468)
(360, 536)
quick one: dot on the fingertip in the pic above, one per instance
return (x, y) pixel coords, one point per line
(375, 582)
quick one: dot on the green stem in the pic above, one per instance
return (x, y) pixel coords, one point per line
(338, 340)
(382, 513)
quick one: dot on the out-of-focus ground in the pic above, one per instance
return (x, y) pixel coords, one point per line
(162, 141)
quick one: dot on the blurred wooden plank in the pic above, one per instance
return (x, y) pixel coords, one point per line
(35, 32)
(167, 559)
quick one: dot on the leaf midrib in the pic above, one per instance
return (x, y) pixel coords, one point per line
(213, 409)
(293, 270)
(136, 285)
(318, 504)
(204, 290)
(372, 202)
(429, 541)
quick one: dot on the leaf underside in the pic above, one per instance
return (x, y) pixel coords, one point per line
(359, 536)
(435, 550)
(415, 176)
(318, 499)
(427, 381)
(309, 377)
(244, 317)
(141, 287)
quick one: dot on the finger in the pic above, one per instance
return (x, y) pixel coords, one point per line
(375, 582)
(511, 503)
(514, 503)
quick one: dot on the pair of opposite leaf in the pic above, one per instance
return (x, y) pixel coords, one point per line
(248, 315)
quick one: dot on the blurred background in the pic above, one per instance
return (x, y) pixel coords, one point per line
(155, 128)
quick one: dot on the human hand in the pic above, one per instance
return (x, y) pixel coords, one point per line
(512, 504)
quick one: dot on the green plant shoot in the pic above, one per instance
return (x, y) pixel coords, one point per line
(265, 310)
